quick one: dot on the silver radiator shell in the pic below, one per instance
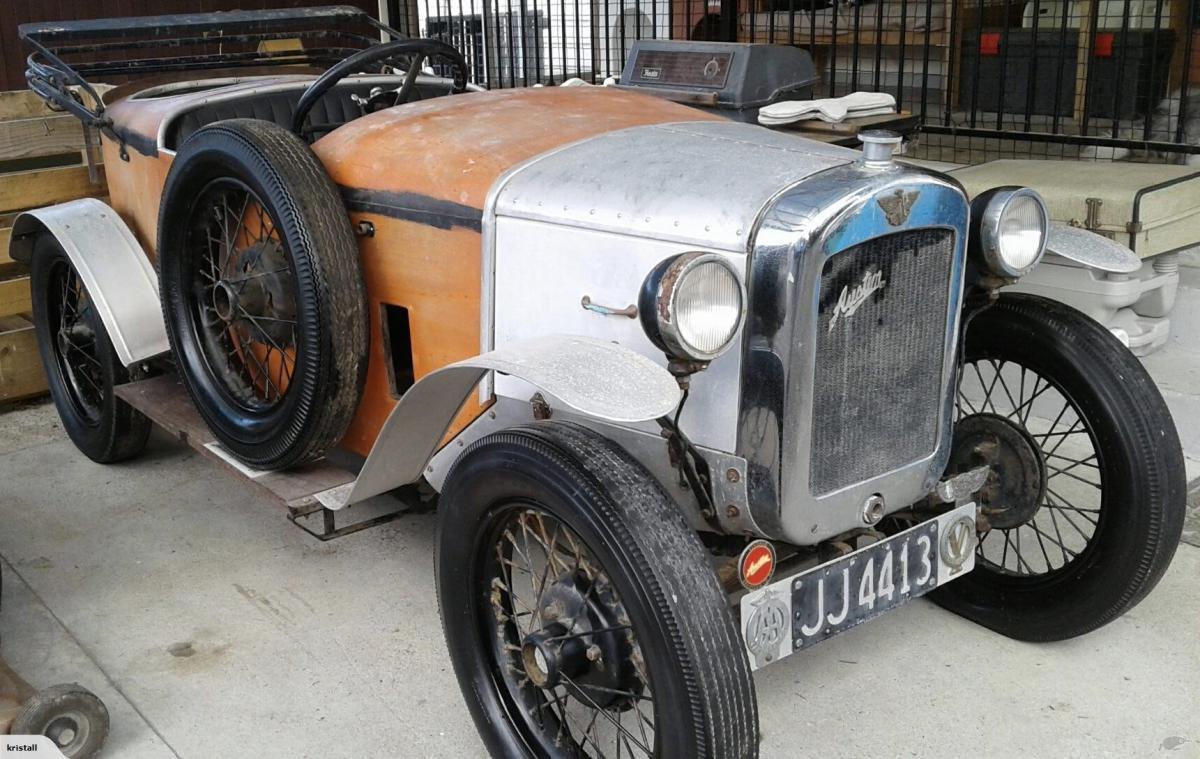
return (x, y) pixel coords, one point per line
(824, 216)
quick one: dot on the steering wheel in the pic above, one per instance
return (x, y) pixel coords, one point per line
(418, 49)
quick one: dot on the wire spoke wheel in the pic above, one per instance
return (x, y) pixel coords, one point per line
(72, 325)
(564, 645)
(1085, 499)
(582, 614)
(243, 295)
(81, 366)
(1044, 502)
(262, 292)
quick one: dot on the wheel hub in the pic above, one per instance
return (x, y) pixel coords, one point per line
(547, 656)
(225, 300)
(259, 292)
(578, 645)
(1016, 485)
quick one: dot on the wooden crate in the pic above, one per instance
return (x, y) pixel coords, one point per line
(42, 162)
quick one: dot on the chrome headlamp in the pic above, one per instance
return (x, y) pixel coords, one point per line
(692, 306)
(1010, 226)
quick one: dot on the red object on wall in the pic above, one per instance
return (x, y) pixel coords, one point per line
(1103, 47)
(989, 43)
(13, 14)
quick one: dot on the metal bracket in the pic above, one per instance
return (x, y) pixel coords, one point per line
(1092, 222)
(329, 529)
(298, 514)
(961, 487)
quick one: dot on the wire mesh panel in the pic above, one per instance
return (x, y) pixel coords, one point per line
(1092, 79)
(524, 42)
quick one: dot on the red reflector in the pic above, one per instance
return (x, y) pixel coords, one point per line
(757, 564)
(989, 44)
(1104, 45)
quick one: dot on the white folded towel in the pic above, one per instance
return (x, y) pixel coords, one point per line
(831, 110)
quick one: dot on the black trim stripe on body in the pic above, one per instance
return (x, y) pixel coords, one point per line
(412, 206)
(147, 146)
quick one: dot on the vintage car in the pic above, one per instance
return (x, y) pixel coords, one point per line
(694, 394)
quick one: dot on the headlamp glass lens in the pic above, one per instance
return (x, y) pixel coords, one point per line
(708, 307)
(1022, 230)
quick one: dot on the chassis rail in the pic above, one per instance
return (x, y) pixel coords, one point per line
(65, 55)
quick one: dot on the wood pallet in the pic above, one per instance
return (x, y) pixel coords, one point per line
(43, 161)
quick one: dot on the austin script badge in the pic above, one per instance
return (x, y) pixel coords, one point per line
(852, 298)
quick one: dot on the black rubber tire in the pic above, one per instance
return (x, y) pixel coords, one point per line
(332, 329)
(75, 705)
(679, 613)
(1143, 500)
(119, 432)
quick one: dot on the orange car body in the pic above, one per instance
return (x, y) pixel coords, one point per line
(420, 175)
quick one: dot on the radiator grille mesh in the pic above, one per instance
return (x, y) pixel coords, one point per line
(880, 349)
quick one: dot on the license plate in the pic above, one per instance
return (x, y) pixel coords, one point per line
(801, 610)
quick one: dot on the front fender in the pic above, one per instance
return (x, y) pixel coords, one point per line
(112, 265)
(1091, 249)
(595, 378)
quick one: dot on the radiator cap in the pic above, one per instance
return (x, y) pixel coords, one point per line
(878, 145)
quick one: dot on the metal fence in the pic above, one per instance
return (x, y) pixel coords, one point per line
(1099, 79)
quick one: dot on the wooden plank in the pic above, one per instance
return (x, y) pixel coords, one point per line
(5, 239)
(14, 296)
(1083, 64)
(1194, 74)
(32, 189)
(32, 138)
(21, 373)
(815, 128)
(164, 400)
(866, 38)
(25, 104)
(22, 104)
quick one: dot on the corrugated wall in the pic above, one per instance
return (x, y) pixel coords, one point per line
(16, 12)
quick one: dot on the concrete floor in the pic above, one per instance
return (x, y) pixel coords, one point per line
(212, 627)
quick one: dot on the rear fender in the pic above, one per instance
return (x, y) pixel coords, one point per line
(593, 377)
(112, 265)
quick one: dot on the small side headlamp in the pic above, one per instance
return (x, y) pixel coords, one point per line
(1010, 226)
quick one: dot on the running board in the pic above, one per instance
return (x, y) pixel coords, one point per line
(165, 402)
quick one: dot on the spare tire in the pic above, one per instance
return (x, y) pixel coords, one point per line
(262, 292)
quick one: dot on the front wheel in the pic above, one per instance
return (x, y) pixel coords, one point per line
(582, 614)
(1085, 504)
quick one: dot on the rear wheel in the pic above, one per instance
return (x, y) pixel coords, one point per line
(1085, 504)
(581, 613)
(262, 292)
(80, 364)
